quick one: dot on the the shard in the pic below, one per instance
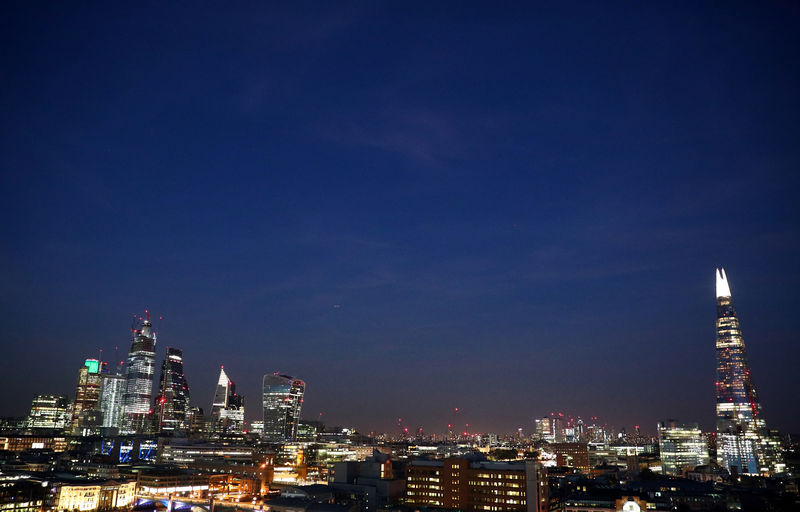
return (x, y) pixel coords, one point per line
(744, 446)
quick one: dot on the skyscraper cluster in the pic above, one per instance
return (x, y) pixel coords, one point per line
(123, 400)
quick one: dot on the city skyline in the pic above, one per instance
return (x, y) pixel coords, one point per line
(456, 422)
(401, 204)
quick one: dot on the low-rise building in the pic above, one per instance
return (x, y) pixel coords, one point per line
(91, 495)
(24, 443)
(19, 493)
(164, 482)
(574, 455)
(375, 483)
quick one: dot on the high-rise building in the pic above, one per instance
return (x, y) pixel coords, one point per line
(49, 412)
(283, 400)
(111, 391)
(220, 394)
(744, 446)
(87, 396)
(542, 429)
(172, 403)
(138, 396)
(227, 410)
(681, 446)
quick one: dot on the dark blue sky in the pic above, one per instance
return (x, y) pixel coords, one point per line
(518, 210)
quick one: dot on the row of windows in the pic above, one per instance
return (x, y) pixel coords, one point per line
(475, 483)
(416, 478)
(497, 492)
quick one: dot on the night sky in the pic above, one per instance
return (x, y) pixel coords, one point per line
(504, 209)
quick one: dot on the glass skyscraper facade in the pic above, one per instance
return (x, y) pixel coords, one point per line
(87, 393)
(49, 412)
(111, 391)
(227, 410)
(744, 445)
(138, 396)
(283, 401)
(681, 446)
(172, 403)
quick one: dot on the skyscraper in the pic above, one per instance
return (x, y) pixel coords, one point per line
(681, 446)
(138, 394)
(87, 396)
(49, 412)
(283, 400)
(227, 410)
(744, 446)
(111, 391)
(172, 403)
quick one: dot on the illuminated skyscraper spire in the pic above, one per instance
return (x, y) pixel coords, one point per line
(744, 445)
(723, 288)
(220, 394)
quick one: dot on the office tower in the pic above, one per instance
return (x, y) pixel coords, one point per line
(172, 403)
(49, 412)
(227, 410)
(743, 444)
(138, 394)
(220, 394)
(580, 430)
(681, 446)
(558, 429)
(542, 428)
(283, 400)
(111, 391)
(87, 396)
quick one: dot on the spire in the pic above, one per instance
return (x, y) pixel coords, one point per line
(723, 289)
(223, 377)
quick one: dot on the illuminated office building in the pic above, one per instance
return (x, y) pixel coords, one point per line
(475, 486)
(49, 412)
(542, 429)
(87, 396)
(111, 391)
(227, 410)
(682, 447)
(138, 395)
(575, 455)
(172, 403)
(220, 394)
(743, 444)
(283, 401)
